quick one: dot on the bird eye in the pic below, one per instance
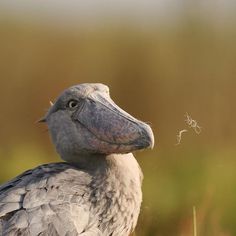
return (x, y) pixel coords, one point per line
(72, 104)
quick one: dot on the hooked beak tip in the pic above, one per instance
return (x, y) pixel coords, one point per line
(152, 144)
(150, 138)
(146, 139)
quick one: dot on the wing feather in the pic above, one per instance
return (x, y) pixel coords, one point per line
(48, 200)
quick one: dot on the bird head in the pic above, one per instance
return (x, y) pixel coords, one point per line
(85, 120)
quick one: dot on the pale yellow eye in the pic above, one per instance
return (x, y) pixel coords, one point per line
(72, 104)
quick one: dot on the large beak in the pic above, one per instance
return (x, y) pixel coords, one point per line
(111, 125)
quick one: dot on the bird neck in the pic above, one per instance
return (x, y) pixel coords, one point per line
(116, 179)
(124, 166)
(104, 164)
(120, 184)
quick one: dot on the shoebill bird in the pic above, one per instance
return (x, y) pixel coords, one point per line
(97, 190)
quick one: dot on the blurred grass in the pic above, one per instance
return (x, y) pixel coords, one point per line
(157, 75)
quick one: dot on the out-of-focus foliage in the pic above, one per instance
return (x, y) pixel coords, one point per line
(158, 75)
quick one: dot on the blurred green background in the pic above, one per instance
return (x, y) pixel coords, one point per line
(160, 59)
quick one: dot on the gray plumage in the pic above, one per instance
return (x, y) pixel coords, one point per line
(97, 191)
